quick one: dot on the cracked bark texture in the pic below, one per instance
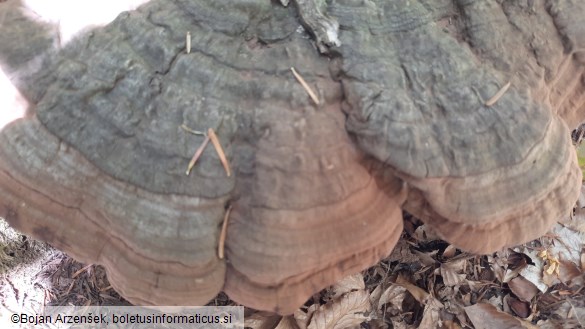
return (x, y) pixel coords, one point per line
(98, 169)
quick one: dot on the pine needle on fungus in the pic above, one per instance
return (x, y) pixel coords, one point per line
(197, 155)
(498, 95)
(219, 150)
(305, 85)
(223, 233)
(210, 136)
(194, 132)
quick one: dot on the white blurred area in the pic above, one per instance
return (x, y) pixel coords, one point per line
(71, 17)
(12, 104)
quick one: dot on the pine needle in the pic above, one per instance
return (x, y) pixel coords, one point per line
(192, 131)
(197, 155)
(223, 233)
(215, 141)
(498, 95)
(305, 85)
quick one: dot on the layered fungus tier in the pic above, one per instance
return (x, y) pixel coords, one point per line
(456, 111)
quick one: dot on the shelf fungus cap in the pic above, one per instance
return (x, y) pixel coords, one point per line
(314, 211)
(98, 169)
(157, 247)
(488, 162)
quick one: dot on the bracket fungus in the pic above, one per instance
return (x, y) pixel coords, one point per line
(488, 164)
(467, 132)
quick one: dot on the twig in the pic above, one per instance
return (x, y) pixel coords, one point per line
(223, 233)
(498, 95)
(188, 42)
(305, 85)
(211, 134)
(197, 155)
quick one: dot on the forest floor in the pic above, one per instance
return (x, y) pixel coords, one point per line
(424, 283)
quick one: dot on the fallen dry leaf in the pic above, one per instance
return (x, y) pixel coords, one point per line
(520, 308)
(431, 317)
(551, 269)
(432, 305)
(449, 251)
(452, 272)
(348, 284)
(523, 288)
(450, 324)
(577, 221)
(517, 259)
(303, 318)
(507, 264)
(426, 258)
(377, 324)
(399, 323)
(497, 302)
(418, 293)
(486, 316)
(570, 273)
(567, 314)
(375, 296)
(498, 267)
(568, 244)
(578, 311)
(533, 273)
(393, 295)
(348, 311)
